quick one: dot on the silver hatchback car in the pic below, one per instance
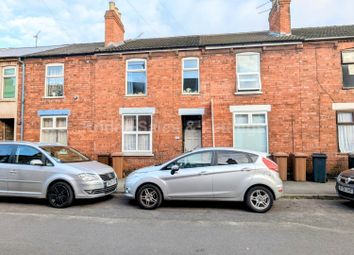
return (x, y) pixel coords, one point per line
(222, 174)
(58, 173)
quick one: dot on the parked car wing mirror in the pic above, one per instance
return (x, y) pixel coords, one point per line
(36, 162)
(174, 169)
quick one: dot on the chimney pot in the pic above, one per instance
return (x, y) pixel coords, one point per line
(112, 5)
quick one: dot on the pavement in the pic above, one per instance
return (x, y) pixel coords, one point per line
(310, 190)
(296, 190)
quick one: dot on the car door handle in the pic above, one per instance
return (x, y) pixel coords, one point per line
(246, 169)
(203, 172)
(12, 172)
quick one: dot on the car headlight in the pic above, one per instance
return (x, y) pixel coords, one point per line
(339, 178)
(89, 177)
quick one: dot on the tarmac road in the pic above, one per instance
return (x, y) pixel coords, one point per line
(115, 225)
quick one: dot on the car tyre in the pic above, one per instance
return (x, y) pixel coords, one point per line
(149, 197)
(60, 195)
(259, 199)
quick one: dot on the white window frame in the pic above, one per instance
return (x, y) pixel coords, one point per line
(250, 124)
(53, 76)
(343, 124)
(54, 125)
(350, 63)
(191, 69)
(238, 74)
(136, 71)
(137, 133)
(3, 82)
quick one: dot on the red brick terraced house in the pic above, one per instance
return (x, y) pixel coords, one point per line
(289, 90)
(10, 82)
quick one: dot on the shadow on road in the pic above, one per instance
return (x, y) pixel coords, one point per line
(192, 204)
(44, 202)
(348, 204)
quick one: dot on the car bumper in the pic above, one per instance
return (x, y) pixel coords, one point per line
(278, 192)
(343, 194)
(97, 190)
(128, 191)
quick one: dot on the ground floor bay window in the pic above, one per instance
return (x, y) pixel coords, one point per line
(345, 122)
(250, 127)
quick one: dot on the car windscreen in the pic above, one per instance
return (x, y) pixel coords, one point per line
(64, 154)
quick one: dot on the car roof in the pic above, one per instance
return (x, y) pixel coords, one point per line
(230, 149)
(36, 144)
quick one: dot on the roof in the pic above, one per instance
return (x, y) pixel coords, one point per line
(321, 33)
(196, 41)
(20, 52)
(72, 49)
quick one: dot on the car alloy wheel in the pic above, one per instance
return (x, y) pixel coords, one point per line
(60, 195)
(259, 199)
(149, 197)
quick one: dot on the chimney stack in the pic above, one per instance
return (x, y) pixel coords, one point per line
(280, 17)
(114, 28)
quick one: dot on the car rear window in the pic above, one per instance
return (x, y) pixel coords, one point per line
(253, 157)
(232, 158)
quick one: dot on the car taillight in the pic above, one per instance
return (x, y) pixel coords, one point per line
(270, 164)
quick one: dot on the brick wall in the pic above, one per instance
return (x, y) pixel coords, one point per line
(79, 75)
(300, 82)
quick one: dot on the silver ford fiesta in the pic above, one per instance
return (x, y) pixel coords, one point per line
(58, 173)
(222, 174)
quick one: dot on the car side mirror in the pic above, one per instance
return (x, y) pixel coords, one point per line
(36, 162)
(174, 169)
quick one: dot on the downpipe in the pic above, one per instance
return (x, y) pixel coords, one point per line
(22, 98)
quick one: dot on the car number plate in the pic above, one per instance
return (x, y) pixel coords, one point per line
(346, 189)
(111, 182)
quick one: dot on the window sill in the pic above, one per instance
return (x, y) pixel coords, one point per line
(136, 95)
(190, 94)
(343, 153)
(347, 88)
(8, 100)
(53, 97)
(137, 154)
(246, 93)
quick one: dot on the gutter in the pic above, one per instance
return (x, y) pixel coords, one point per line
(329, 38)
(251, 45)
(197, 48)
(22, 97)
(145, 51)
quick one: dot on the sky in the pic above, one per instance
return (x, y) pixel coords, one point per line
(77, 21)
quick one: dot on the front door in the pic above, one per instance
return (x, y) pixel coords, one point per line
(192, 132)
(193, 179)
(24, 178)
(7, 129)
